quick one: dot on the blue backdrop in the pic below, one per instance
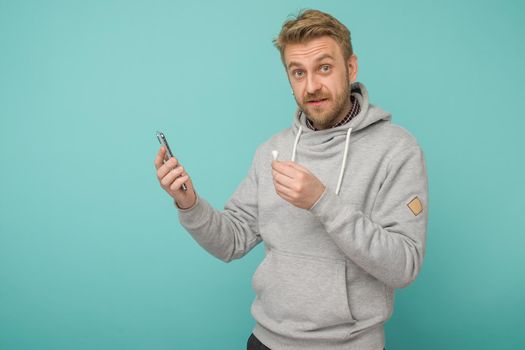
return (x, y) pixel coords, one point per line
(91, 252)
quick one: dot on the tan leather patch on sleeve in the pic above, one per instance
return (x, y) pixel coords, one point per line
(415, 206)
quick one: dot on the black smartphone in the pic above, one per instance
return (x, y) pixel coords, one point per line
(169, 154)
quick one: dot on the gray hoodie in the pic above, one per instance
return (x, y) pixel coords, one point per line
(329, 273)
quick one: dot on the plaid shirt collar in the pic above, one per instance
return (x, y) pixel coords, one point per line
(356, 108)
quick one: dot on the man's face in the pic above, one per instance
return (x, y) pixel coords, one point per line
(320, 79)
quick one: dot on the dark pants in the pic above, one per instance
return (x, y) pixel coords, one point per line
(255, 344)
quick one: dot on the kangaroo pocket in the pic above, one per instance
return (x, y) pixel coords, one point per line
(298, 294)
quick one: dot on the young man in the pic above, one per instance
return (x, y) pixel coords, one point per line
(342, 213)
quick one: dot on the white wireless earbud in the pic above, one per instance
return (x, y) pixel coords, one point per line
(275, 154)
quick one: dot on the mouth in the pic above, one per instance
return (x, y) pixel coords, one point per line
(316, 102)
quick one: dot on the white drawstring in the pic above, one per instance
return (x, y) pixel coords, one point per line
(344, 162)
(343, 165)
(295, 143)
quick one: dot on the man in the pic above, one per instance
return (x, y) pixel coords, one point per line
(342, 214)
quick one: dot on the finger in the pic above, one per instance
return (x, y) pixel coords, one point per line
(177, 184)
(167, 180)
(289, 191)
(297, 172)
(298, 167)
(283, 168)
(284, 193)
(159, 159)
(283, 180)
(167, 167)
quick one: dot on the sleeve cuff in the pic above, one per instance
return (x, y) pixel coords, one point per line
(331, 209)
(321, 202)
(190, 208)
(194, 216)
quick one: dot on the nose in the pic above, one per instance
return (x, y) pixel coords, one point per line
(312, 84)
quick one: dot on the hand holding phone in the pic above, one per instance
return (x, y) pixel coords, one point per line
(172, 176)
(164, 142)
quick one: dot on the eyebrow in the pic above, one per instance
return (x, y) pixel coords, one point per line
(320, 58)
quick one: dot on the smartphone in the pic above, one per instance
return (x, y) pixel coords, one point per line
(169, 154)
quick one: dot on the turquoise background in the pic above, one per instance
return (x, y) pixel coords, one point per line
(91, 252)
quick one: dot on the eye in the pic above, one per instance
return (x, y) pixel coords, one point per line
(325, 68)
(298, 74)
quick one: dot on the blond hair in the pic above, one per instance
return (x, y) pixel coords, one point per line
(312, 24)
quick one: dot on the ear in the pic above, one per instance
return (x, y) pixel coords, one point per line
(352, 68)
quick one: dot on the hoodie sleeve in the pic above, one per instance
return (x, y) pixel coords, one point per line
(390, 243)
(229, 234)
